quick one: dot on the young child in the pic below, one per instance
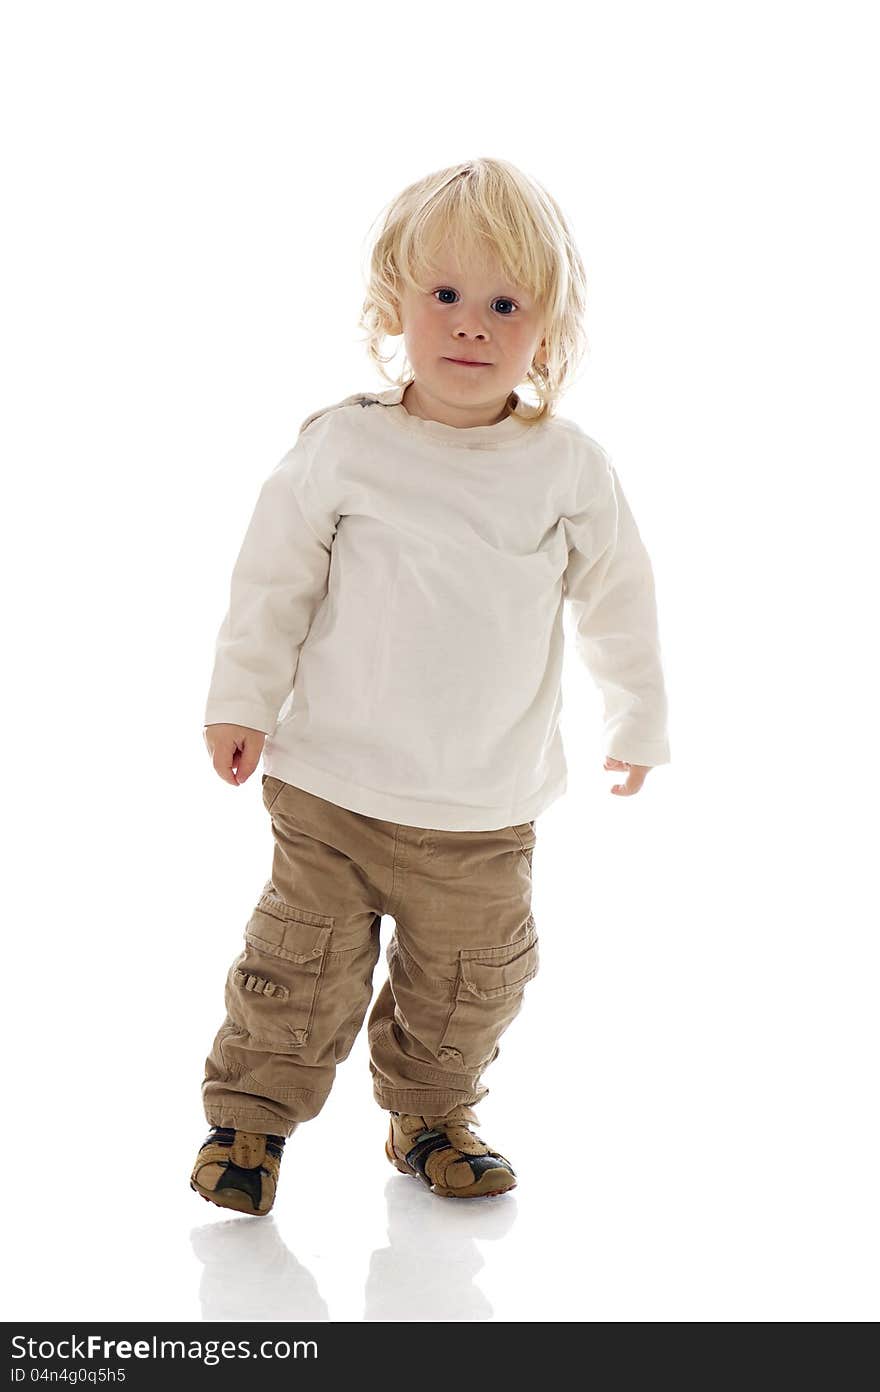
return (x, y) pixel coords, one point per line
(393, 648)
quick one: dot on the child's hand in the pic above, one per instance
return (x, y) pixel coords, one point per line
(637, 775)
(235, 750)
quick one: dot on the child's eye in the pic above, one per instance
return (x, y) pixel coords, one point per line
(501, 299)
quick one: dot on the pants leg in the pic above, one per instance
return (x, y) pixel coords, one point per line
(464, 948)
(297, 994)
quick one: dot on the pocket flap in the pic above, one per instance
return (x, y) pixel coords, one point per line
(283, 930)
(495, 971)
(271, 903)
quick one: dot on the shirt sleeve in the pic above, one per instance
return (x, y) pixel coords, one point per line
(609, 585)
(277, 585)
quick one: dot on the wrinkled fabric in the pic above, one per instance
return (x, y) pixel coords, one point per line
(463, 950)
(395, 620)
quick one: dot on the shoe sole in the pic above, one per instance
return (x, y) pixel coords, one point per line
(476, 1192)
(233, 1199)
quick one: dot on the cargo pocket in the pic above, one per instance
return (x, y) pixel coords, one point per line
(273, 986)
(488, 994)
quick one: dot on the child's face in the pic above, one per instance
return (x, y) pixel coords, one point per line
(469, 311)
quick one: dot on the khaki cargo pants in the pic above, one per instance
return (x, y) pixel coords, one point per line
(463, 949)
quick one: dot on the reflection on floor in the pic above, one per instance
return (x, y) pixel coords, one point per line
(426, 1271)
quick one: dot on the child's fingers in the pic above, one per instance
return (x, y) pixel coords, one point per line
(625, 789)
(248, 758)
(637, 774)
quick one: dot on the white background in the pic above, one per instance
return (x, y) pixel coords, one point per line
(690, 1093)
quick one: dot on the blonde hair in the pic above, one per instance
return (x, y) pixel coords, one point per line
(469, 208)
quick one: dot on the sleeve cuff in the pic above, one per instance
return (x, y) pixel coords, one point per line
(240, 713)
(649, 754)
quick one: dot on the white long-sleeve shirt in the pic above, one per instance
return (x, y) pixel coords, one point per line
(395, 622)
